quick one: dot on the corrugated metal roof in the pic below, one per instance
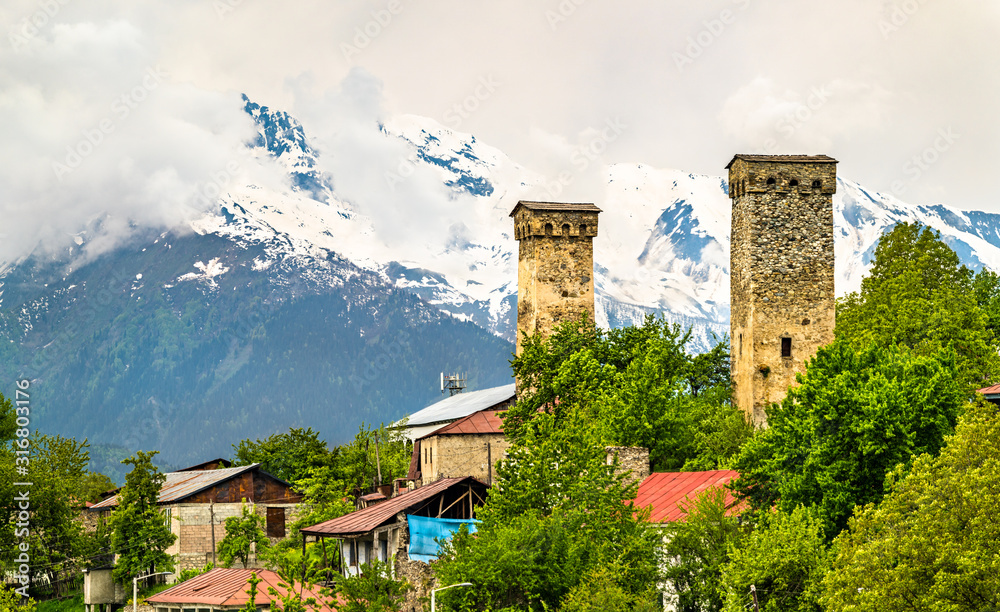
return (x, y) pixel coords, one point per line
(993, 390)
(179, 485)
(556, 206)
(665, 492)
(482, 422)
(461, 405)
(229, 587)
(366, 519)
(785, 159)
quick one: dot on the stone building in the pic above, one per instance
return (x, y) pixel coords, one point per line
(555, 273)
(471, 446)
(782, 272)
(197, 503)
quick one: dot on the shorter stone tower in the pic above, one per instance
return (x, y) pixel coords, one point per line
(781, 272)
(555, 272)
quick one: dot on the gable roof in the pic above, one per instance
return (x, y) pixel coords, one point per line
(666, 492)
(229, 587)
(366, 519)
(992, 392)
(461, 405)
(784, 159)
(180, 485)
(211, 464)
(556, 206)
(477, 423)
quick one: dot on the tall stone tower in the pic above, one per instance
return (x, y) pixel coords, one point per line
(781, 272)
(555, 270)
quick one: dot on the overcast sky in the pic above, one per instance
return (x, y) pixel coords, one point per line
(903, 92)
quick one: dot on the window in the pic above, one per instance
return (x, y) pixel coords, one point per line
(793, 183)
(565, 229)
(384, 549)
(352, 553)
(275, 522)
(583, 230)
(786, 347)
(816, 184)
(741, 344)
(548, 229)
(166, 517)
(771, 181)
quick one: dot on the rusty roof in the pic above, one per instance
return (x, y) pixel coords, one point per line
(556, 206)
(991, 391)
(366, 519)
(210, 464)
(666, 492)
(477, 423)
(229, 587)
(179, 485)
(784, 159)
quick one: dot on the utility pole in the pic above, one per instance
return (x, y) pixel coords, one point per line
(378, 462)
(489, 465)
(211, 513)
(753, 593)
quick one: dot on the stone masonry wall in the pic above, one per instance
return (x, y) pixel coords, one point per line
(555, 279)
(782, 274)
(191, 523)
(632, 460)
(460, 455)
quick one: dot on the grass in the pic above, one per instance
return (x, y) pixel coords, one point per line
(73, 603)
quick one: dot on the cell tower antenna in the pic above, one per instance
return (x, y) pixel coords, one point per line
(452, 383)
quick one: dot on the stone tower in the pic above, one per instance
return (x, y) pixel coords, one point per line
(555, 270)
(781, 272)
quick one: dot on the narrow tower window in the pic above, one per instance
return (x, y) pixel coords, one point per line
(565, 229)
(583, 230)
(548, 229)
(816, 184)
(786, 347)
(771, 181)
(793, 183)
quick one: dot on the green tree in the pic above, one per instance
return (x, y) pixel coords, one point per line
(698, 547)
(372, 590)
(640, 385)
(785, 559)
(288, 456)
(244, 534)
(599, 591)
(987, 289)
(140, 534)
(557, 512)
(12, 602)
(920, 296)
(854, 417)
(933, 543)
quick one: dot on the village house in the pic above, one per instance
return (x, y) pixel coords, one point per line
(402, 530)
(992, 394)
(221, 590)
(197, 502)
(669, 495)
(470, 446)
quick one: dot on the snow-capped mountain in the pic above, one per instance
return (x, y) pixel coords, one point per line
(663, 245)
(289, 305)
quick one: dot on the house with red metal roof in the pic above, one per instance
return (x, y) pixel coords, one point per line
(470, 446)
(197, 502)
(992, 394)
(667, 494)
(229, 589)
(403, 529)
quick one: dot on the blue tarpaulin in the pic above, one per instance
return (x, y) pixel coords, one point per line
(424, 533)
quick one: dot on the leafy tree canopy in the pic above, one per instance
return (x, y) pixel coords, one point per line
(288, 456)
(855, 416)
(920, 296)
(244, 534)
(372, 590)
(638, 385)
(934, 541)
(785, 559)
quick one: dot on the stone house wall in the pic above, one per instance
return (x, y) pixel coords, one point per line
(450, 456)
(782, 273)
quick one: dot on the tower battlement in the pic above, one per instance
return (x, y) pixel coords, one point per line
(781, 272)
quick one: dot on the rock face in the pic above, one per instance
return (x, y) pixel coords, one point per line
(555, 274)
(782, 279)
